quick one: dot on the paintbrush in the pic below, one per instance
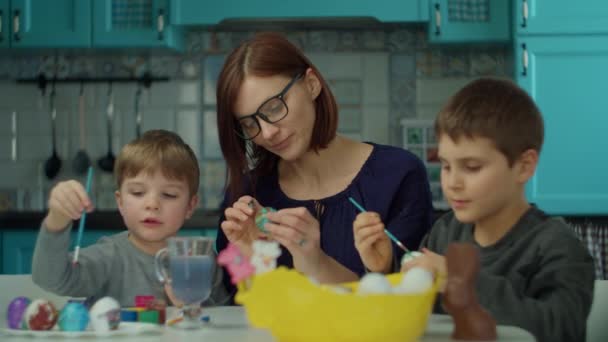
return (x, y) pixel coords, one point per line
(83, 217)
(388, 233)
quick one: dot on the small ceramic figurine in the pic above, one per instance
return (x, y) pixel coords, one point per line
(471, 321)
(236, 263)
(265, 254)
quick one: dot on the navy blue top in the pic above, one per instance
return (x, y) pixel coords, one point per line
(392, 182)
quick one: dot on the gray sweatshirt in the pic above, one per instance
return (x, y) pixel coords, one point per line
(539, 276)
(112, 267)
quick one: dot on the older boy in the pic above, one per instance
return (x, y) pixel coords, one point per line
(535, 274)
(157, 177)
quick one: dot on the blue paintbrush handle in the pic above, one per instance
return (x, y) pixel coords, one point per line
(390, 235)
(84, 213)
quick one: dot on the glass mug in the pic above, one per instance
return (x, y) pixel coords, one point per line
(188, 265)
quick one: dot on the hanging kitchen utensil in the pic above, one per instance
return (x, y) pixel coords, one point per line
(14, 136)
(106, 163)
(81, 161)
(53, 164)
(138, 113)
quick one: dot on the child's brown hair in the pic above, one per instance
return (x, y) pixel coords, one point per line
(158, 150)
(495, 109)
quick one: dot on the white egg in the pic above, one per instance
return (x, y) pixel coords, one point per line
(374, 283)
(105, 314)
(407, 257)
(416, 280)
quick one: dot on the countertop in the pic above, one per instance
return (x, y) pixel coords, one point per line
(106, 220)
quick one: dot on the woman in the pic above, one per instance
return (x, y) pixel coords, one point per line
(277, 122)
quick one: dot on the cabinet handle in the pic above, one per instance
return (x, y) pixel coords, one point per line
(16, 26)
(524, 13)
(1, 22)
(524, 59)
(437, 19)
(160, 24)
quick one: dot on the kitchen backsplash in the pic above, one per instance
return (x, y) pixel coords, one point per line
(379, 77)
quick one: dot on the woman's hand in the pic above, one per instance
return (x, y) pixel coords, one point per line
(298, 231)
(372, 243)
(239, 225)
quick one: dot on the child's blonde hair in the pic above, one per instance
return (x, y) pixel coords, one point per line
(158, 150)
(495, 109)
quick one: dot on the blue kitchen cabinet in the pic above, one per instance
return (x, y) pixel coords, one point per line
(4, 26)
(566, 77)
(43, 23)
(458, 21)
(134, 24)
(197, 12)
(18, 245)
(561, 17)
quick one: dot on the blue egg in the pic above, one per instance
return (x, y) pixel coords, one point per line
(73, 317)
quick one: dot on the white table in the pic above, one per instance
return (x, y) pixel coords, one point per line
(230, 324)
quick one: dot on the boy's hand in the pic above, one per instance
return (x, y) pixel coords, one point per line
(67, 201)
(239, 225)
(433, 262)
(371, 242)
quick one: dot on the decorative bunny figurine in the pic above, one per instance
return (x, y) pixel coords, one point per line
(471, 320)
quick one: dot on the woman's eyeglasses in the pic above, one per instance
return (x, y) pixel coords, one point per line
(272, 110)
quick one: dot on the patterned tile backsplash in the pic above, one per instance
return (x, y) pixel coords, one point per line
(388, 69)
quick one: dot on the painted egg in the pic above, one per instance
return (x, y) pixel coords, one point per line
(374, 283)
(73, 317)
(41, 314)
(14, 312)
(416, 280)
(261, 220)
(105, 314)
(407, 257)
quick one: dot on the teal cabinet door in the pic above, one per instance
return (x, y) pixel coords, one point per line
(197, 12)
(18, 247)
(4, 26)
(134, 24)
(561, 16)
(57, 23)
(453, 21)
(17, 250)
(566, 77)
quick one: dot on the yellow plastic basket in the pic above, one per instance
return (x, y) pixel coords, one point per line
(294, 309)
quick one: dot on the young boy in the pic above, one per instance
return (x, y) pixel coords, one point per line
(157, 177)
(535, 274)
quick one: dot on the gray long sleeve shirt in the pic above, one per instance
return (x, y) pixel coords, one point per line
(112, 267)
(539, 276)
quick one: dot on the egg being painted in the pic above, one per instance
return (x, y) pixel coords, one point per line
(41, 314)
(261, 220)
(14, 312)
(73, 317)
(407, 257)
(105, 314)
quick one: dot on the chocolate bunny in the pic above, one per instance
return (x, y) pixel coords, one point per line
(471, 320)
